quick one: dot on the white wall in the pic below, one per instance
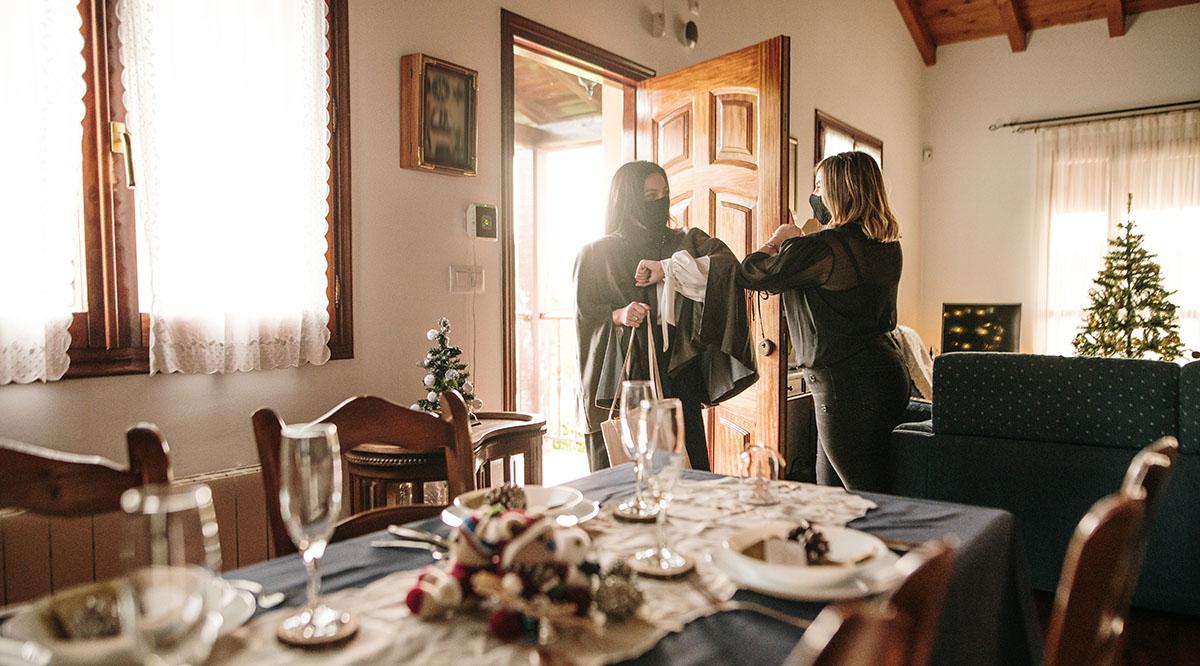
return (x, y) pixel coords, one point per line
(851, 58)
(978, 191)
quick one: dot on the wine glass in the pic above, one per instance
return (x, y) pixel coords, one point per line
(760, 468)
(663, 466)
(310, 499)
(636, 395)
(170, 601)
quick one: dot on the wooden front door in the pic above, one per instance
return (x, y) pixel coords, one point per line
(720, 130)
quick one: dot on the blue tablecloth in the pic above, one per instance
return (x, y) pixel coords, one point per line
(989, 616)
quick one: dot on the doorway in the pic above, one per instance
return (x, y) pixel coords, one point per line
(719, 128)
(567, 116)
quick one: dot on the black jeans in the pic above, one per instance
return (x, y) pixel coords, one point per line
(859, 401)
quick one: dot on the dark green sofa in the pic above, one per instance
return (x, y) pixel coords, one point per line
(1044, 437)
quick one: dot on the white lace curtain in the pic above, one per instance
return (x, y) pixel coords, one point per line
(1085, 173)
(41, 182)
(227, 104)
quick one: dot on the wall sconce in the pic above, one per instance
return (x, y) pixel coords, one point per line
(658, 20)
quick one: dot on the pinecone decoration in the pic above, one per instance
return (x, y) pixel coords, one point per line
(619, 569)
(507, 495)
(816, 546)
(618, 598)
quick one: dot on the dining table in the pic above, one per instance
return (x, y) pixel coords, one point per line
(988, 615)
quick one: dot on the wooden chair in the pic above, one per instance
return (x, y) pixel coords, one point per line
(1149, 471)
(366, 420)
(1099, 572)
(857, 634)
(53, 483)
(922, 594)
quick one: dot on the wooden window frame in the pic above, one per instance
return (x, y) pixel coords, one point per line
(517, 30)
(824, 120)
(111, 337)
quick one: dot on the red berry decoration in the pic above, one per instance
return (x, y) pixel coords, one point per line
(415, 599)
(505, 624)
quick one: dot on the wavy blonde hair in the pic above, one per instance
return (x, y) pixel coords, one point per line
(853, 192)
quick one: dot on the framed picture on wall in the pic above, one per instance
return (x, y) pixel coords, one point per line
(438, 102)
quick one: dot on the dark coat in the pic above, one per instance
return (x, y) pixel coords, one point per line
(715, 334)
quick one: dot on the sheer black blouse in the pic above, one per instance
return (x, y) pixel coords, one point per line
(839, 291)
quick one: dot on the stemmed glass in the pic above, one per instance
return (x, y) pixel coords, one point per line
(635, 397)
(310, 499)
(663, 466)
(170, 601)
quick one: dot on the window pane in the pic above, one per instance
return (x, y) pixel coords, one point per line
(41, 183)
(1174, 234)
(836, 142)
(228, 105)
(1078, 242)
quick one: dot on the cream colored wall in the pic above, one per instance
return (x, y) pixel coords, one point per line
(852, 58)
(978, 191)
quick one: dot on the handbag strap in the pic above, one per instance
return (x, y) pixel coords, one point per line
(624, 371)
(652, 352)
(652, 358)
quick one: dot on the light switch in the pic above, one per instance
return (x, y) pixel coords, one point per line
(464, 279)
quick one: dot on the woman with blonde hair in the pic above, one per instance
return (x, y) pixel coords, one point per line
(839, 296)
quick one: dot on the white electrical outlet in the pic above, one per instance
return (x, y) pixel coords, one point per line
(465, 279)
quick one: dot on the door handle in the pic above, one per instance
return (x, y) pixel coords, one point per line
(122, 144)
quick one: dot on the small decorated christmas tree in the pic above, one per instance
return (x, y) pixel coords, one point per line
(1130, 315)
(445, 371)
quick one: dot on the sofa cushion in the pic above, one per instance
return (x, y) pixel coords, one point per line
(1121, 403)
(1189, 408)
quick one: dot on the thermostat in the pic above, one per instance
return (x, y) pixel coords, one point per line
(482, 222)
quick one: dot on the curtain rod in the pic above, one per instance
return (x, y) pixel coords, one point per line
(1027, 125)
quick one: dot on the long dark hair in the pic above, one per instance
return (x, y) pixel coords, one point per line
(626, 193)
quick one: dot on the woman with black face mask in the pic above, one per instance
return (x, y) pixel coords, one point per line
(645, 278)
(839, 295)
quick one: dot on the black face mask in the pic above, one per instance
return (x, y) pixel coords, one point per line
(652, 215)
(820, 212)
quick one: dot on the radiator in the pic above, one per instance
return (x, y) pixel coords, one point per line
(40, 555)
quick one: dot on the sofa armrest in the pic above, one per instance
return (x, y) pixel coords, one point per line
(910, 445)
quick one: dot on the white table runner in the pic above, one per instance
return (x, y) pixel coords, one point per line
(701, 516)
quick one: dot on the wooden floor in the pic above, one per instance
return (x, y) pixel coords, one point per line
(1153, 638)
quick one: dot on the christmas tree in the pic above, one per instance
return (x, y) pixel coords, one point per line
(1130, 315)
(445, 371)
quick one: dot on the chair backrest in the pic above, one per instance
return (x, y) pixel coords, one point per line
(368, 419)
(1092, 601)
(922, 594)
(855, 634)
(53, 483)
(1149, 471)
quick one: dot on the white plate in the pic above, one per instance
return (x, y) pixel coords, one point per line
(809, 583)
(22, 653)
(549, 501)
(236, 608)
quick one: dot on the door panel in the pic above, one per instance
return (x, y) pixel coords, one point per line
(720, 130)
(673, 139)
(736, 129)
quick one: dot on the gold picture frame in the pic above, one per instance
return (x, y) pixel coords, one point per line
(438, 116)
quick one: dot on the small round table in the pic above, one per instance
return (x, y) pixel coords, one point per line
(379, 472)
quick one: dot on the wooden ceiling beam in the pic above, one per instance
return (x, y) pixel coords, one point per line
(1116, 17)
(919, 31)
(1014, 24)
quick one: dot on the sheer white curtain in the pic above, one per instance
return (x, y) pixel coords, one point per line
(1085, 173)
(227, 104)
(41, 182)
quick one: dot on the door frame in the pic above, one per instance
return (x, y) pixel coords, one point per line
(516, 30)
